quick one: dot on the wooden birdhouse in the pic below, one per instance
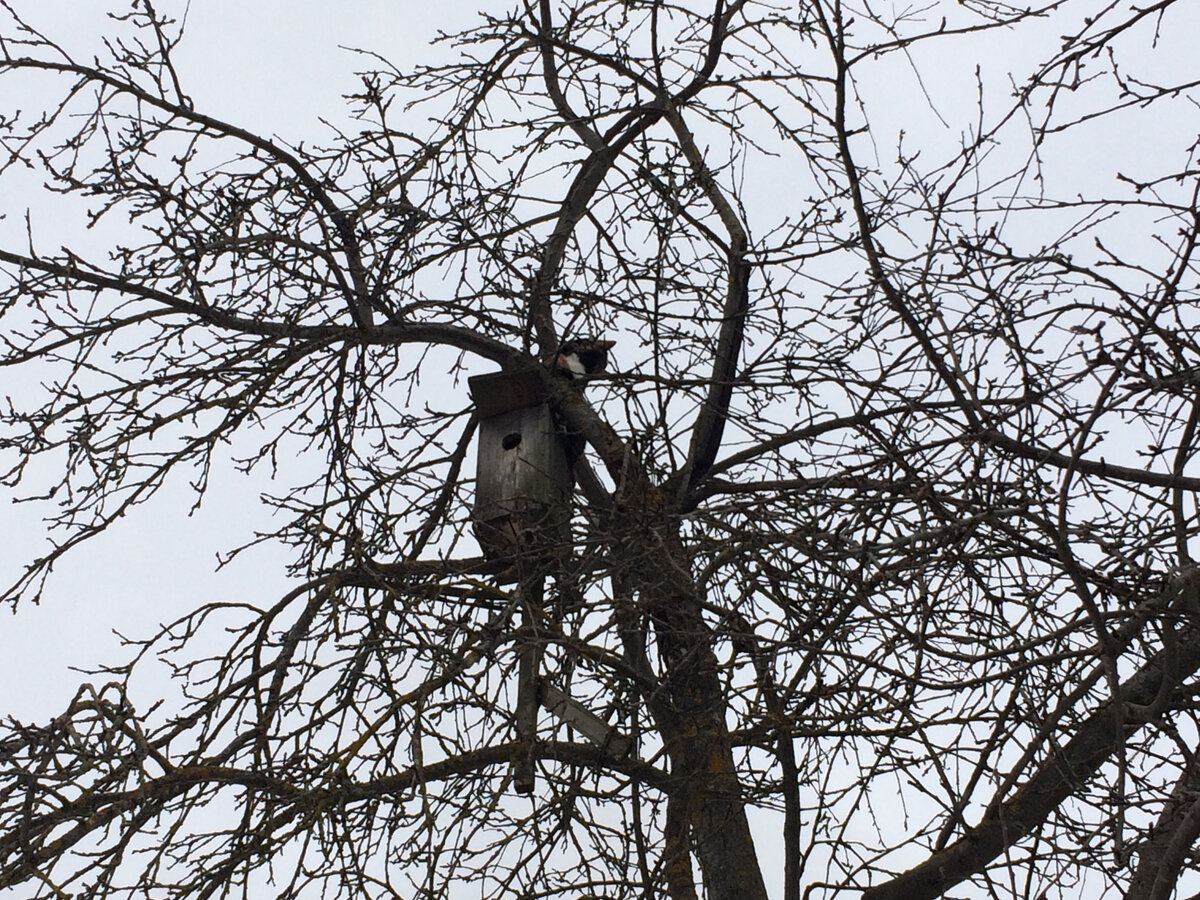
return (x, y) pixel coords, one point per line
(523, 479)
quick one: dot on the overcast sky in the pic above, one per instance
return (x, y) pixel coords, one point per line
(277, 67)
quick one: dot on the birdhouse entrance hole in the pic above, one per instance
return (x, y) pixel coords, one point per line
(511, 440)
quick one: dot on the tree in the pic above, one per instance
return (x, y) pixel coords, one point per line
(881, 540)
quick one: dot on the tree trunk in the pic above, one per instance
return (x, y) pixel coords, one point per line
(689, 711)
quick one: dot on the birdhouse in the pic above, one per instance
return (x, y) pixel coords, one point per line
(523, 479)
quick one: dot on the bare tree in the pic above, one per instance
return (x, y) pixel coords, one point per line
(881, 540)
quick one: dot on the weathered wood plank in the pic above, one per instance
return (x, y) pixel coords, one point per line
(587, 723)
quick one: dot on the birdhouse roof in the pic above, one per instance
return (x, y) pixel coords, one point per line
(500, 392)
